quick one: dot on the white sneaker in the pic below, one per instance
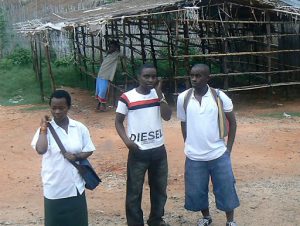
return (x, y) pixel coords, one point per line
(205, 221)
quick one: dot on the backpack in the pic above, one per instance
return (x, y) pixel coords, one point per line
(222, 121)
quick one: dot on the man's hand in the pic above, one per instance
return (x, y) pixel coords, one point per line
(131, 145)
(158, 88)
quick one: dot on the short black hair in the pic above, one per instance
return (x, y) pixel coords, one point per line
(146, 65)
(114, 43)
(202, 67)
(60, 93)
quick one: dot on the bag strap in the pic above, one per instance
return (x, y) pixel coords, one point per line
(223, 132)
(60, 145)
(187, 99)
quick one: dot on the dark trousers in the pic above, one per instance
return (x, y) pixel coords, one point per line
(155, 162)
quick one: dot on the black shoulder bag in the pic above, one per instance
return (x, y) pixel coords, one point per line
(84, 167)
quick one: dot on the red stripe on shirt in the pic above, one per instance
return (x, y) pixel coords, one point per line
(143, 102)
(124, 97)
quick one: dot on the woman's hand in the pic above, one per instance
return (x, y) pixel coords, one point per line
(42, 142)
(70, 156)
(44, 122)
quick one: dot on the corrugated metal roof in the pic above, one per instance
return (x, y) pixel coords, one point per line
(122, 9)
(295, 3)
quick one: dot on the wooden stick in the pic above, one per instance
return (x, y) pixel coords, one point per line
(243, 73)
(238, 54)
(47, 53)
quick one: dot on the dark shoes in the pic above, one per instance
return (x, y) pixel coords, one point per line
(161, 223)
(232, 223)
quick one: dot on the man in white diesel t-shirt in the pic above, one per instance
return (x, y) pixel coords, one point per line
(207, 155)
(144, 106)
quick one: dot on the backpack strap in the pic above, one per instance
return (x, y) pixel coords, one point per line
(223, 131)
(187, 99)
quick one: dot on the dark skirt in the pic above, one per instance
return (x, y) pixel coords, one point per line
(66, 212)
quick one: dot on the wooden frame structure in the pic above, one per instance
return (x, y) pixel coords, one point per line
(248, 44)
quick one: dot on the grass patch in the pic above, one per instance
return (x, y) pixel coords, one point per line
(19, 85)
(280, 115)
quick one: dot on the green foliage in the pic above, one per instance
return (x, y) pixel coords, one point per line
(66, 61)
(19, 84)
(6, 63)
(20, 56)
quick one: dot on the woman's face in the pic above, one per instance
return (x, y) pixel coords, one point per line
(59, 108)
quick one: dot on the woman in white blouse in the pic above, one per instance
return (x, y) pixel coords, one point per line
(64, 196)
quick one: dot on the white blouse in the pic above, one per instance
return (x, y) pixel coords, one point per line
(60, 178)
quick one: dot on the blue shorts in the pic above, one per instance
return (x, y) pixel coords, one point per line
(197, 174)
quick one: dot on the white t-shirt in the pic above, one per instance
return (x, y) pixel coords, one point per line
(60, 178)
(203, 142)
(144, 123)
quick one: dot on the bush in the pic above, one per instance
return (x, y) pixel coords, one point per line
(6, 64)
(20, 56)
(66, 61)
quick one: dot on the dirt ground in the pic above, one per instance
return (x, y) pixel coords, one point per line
(266, 161)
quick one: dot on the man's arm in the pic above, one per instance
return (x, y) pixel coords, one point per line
(183, 130)
(232, 129)
(119, 124)
(165, 110)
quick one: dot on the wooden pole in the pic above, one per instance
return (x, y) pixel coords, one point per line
(268, 49)
(238, 53)
(142, 41)
(225, 46)
(131, 49)
(33, 55)
(93, 53)
(269, 60)
(74, 47)
(79, 52)
(39, 67)
(151, 43)
(83, 35)
(101, 48)
(48, 57)
(176, 52)
(186, 48)
(170, 53)
(123, 59)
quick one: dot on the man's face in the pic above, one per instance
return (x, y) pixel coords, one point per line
(199, 77)
(148, 78)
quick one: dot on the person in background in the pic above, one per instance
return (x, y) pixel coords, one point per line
(207, 154)
(64, 192)
(106, 74)
(145, 107)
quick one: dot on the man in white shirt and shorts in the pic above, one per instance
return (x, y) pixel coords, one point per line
(207, 155)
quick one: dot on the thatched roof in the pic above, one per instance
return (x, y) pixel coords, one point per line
(132, 8)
